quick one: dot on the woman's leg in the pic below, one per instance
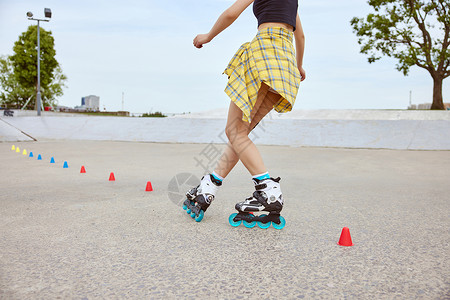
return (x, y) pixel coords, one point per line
(237, 132)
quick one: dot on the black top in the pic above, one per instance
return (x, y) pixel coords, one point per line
(279, 11)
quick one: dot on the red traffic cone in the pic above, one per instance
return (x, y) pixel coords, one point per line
(83, 170)
(111, 177)
(149, 187)
(345, 239)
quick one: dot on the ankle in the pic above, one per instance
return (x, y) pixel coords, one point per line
(261, 176)
(216, 178)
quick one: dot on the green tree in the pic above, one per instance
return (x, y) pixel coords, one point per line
(18, 77)
(415, 32)
(12, 94)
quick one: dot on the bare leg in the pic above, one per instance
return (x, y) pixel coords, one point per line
(237, 132)
(241, 145)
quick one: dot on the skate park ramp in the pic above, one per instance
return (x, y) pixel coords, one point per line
(372, 129)
(9, 133)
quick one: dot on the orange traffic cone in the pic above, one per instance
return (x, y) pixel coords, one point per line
(83, 170)
(149, 187)
(345, 239)
(111, 177)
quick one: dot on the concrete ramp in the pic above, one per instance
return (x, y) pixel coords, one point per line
(402, 134)
(9, 133)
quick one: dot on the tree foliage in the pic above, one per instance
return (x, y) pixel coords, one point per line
(415, 32)
(12, 94)
(156, 114)
(18, 77)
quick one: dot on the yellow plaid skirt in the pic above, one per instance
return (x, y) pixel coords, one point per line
(268, 58)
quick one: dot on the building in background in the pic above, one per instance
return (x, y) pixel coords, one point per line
(91, 103)
(420, 106)
(426, 106)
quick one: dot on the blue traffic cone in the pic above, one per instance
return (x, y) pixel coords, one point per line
(65, 166)
(39, 157)
(52, 160)
(31, 154)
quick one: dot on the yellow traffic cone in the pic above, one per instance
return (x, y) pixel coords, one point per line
(24, 152)
(13, 147)
(18, 150)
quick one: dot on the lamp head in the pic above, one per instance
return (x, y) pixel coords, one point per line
(29, 14)
(48, 13)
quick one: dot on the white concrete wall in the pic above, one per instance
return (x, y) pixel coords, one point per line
(400, 132)
(9, 133)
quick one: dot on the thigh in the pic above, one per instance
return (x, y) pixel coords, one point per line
(264, 104)
(264, 108)
(262, 93)
(235, 124)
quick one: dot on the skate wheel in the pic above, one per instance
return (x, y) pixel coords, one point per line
(188, 211)
(184, 207)
(200, 216)
(192, 215)
(232, 222)
(263, 225)
(249, 224)
(281, 225)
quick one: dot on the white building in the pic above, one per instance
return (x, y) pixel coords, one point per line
(91, 102)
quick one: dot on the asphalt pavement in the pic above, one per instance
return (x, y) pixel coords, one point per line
(64, 234)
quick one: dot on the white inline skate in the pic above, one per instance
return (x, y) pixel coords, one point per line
(199, 198)
(267, 197)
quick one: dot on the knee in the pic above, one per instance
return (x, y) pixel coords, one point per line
(230, 132)
(235, 133)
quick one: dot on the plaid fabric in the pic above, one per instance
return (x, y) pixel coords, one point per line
(268, 58)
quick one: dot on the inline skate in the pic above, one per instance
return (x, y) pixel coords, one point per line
(199, 198)
(267, 197)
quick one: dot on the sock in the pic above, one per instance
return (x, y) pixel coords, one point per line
(262, 176)
(217, 177)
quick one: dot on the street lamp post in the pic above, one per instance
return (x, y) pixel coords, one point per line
(48, 14)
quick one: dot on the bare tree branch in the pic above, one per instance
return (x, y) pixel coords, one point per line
(426, 35)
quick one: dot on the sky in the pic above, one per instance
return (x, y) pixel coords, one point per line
(143, 49)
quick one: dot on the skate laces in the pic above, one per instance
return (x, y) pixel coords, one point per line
(261, 185)
(268, 190)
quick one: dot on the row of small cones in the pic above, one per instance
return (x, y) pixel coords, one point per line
(344, 240)
(52, 160)
(148, 187)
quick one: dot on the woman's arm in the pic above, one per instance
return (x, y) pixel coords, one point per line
(226, 19)
(299, 46)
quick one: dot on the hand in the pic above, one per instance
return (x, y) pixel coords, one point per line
(201, 39)
(302, 73)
